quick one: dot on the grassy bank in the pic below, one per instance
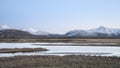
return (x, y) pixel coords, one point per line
(63, 40)
(5, 50)
(59, 62)
(78, 42)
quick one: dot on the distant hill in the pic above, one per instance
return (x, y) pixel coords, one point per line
(13, 33)
(101, 32)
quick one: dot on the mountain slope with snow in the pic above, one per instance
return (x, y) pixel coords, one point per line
(105, 30)
(94, 32)
(3, 27)
(79, 33)
(30, 30)
(36, 31)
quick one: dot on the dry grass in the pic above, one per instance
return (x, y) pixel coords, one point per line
(104, 42)
(60, 62)
(5, 50)
(63, 40)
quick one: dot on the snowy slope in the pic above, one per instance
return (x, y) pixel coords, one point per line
(30, 30)
(2, 27)
(94, 32)
(104, 30)
(35, 31)
(79, 33)
(85, 33)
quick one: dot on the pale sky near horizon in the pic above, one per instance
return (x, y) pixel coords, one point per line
(60, 16)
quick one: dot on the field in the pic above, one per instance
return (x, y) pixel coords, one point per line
(63, 40)
(104, 42)
(59, 62)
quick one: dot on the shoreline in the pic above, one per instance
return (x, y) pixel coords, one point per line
(62, 40)
(78, 42)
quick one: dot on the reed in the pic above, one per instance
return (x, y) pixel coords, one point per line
(14, 50)
(70, 61)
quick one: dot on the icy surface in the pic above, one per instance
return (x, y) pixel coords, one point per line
(62, 50)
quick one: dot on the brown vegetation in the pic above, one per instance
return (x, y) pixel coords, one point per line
(5, 50)
(63, 40)
(59, 62)
(104, 42)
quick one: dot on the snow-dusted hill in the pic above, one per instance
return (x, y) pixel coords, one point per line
(36, 31)
(94, 32)
(30, 30)
(2, 27)
(105, 30)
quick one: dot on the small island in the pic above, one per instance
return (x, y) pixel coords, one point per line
(15, 50)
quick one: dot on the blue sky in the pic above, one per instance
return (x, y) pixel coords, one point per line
(60, 16)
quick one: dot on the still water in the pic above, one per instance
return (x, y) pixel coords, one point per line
(62, 49)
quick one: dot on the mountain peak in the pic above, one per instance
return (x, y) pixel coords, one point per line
(95, 32)
(102, 27)
(2, 27)
(36, 31)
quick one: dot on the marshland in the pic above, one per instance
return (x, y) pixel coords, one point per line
(71, 61)
(59, 55)
(59, 33)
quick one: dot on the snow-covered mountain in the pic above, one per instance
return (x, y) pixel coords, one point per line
(36, 31)
(30, 30)
(2, 27)
(105, 30)
(79, 33)
(94, 32)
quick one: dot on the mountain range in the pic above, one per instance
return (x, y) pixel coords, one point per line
(96, 32)
(100, 32)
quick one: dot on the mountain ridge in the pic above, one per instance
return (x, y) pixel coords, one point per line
(94, 32)
(100, 32)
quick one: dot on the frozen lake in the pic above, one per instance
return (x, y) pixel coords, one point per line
(62, 49)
